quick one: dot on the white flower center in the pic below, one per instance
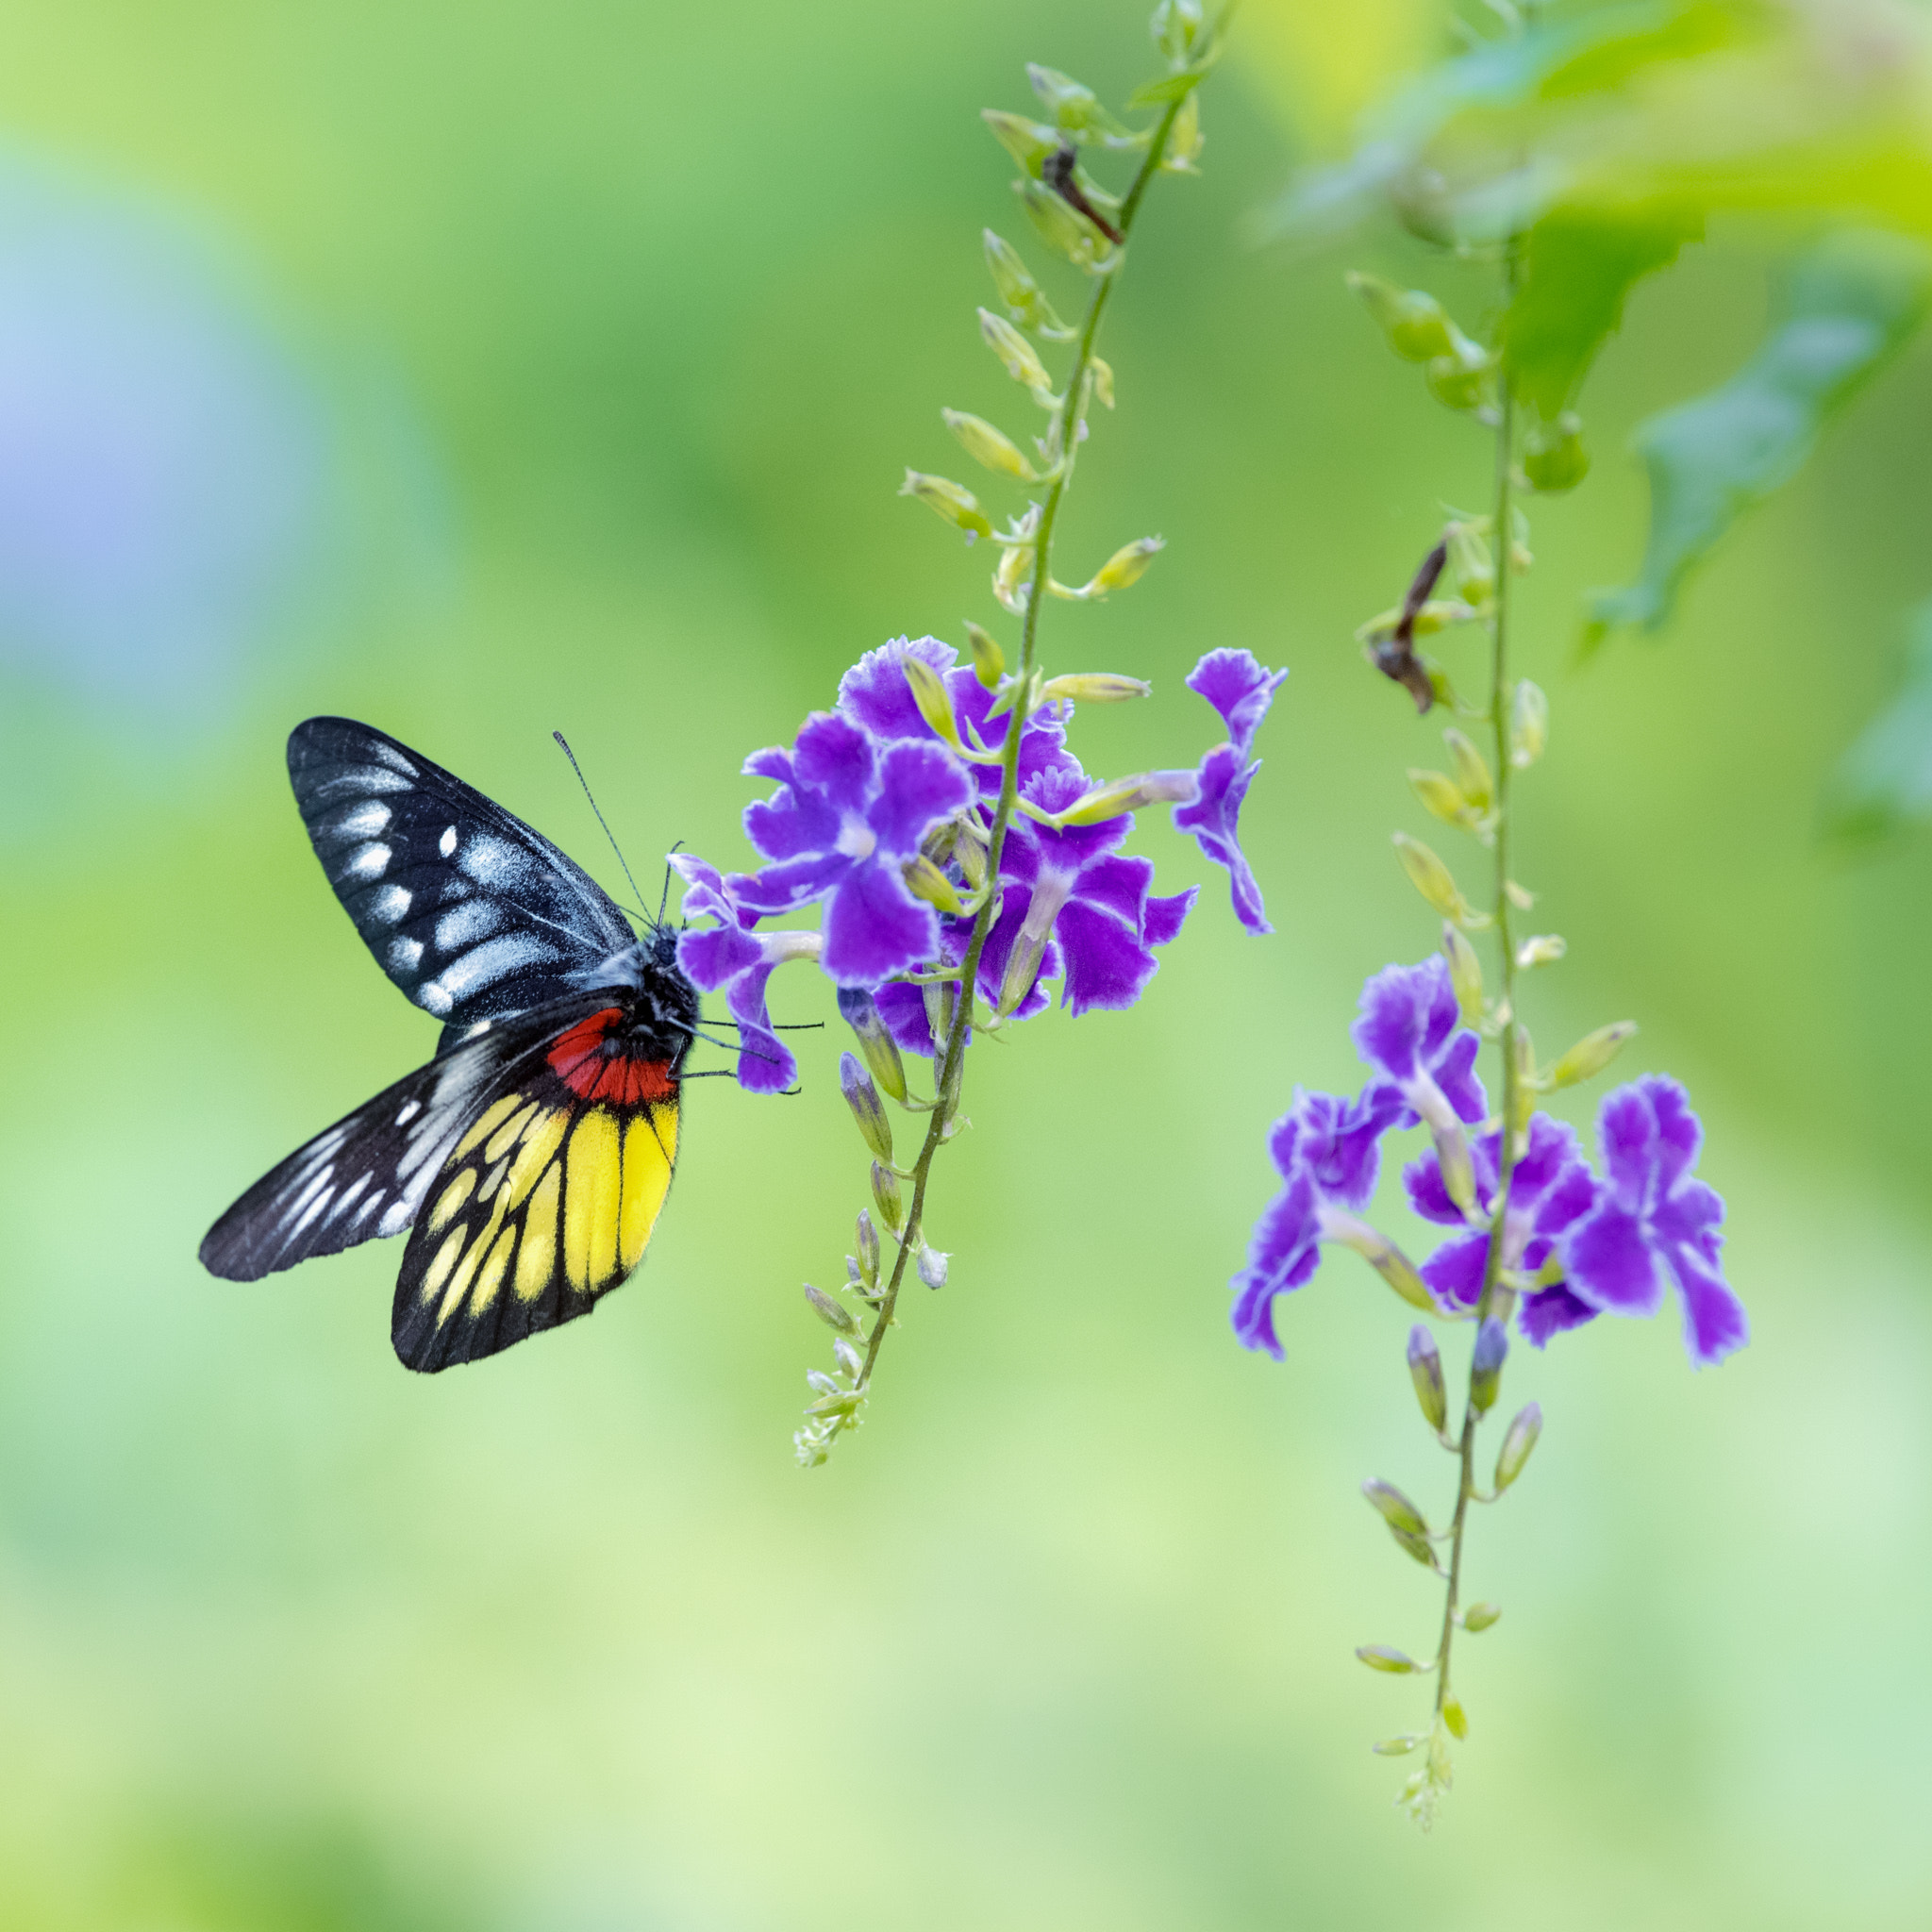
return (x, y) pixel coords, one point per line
(856, 839)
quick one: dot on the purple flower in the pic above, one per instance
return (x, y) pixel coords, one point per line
(1327, 1152)
(874, 695)
(1410, 1031)
(1241, 690)
(1550, 1187)
(1652, 1219)
(847, 816)
(729, 958)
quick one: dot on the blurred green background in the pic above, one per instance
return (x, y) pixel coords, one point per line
(482, 369)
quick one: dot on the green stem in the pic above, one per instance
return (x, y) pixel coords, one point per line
(1500, 910)
(946, 1088)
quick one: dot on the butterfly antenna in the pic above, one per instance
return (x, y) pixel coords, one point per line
(601, 819)
(664, 897)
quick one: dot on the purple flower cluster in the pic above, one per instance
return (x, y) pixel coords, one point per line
(872, 809)
(1575, 1244)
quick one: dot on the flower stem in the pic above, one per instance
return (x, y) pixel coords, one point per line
(1500, 538)
(947, 1085)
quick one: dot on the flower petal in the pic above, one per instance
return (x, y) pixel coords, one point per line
(1455, 1271)
(920, 785)
(876, 696)
(1213, 819)
(835, 757)
(1607, 1262)
(1241, 689)
(1715, 1323)
(713, 956)
(1549, 1311)
(791, 823)
(787, 886)
(1105, 963)
(1283, 1252)
(874, 927)
(1118, 885)
(765, 1064)
(903, 1009)
(1161, 925)
(1423, 1181)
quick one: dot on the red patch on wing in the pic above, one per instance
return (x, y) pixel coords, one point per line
(589, 1066)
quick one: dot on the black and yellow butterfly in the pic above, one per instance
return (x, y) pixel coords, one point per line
(530, 1158)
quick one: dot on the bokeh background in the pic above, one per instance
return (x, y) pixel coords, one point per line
(478, 369)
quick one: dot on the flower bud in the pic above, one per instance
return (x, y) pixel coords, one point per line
(1174, 27)
(1554, 457)
(1529, 724)
(939, 1005)
(1127, 565)
(862, 1097)
(1398, 1747)
(1019, 291)
(1541, 949)
(1394, 1508)
(952, 501)
(932, 1267)
(848, 1357)
(1456, 1162)
(970, 854)
(1185, 140)
(868, 1242)
(1480, 1616)
(930, 694)
(1023, 969)
(1016, 354)
(1130, 794)
(1028, 141)
(1520, 1440)
(1100, 373)
(885, 1195)
(1463, 381)
(1465, 973)
(1591, 1053)
(988, 445)
(833, 1314)
(1452, 1715)
(858, 1010)
(1011, 579)
(1411, 320)
(1486, 1365)
(1439, 796)
(1380, 1253)
(925, 880)
(1094, 688)
(1061, 226)
(1412, 1545)
(1379, 1656)
(1425, 1370)
(1468, 558)
(1471, 774)
(1431, 878)
(843, 1402)
(989, 661)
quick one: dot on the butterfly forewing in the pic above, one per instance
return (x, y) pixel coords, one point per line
(545, 1203)
(466, 908)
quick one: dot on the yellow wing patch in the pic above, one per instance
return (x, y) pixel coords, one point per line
(543, 1203)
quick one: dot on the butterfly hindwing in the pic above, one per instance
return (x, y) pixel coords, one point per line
(466, 908)
(545, 1203)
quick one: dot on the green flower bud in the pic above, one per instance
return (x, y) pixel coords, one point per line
(925, 880)
(860, 1012)
(932, 1267)
(1394, 1508)
(1456, 1162)
(1529, 724)
(1439, 796)
(848, 1357)
(845, 1402)
(1463, 381)
(988, 445)
(1413, 322)
(1468, 558)
(1028, 141)
(1174, 27)
(1486, 1365)
(862, 1097)
(1465, 973)
(1453, 1716)
(1017, 355)
(1074, 108)
(1127, 565)
(1013, 576)
(970, 853)
(1591, 1053)
(952, 501)
(868, 1237)
(930, 694)
(1541, 949)
(1554, 457)
(1094, 688)
(1100, 373)
(1517, 1443)
(1379, 1656)
(1061, 226)
(1425, 1370)
(1019, 291)
(1381, 1254)
(1480, 1616)
(1129, 795)
(1413, 1545)
(1431, 878)
(833, 1314)
(1471, 774)
(1185, 140)
(989, 661)
(939, 1003)
(885, 1195)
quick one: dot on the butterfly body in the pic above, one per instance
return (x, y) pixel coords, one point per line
(530, 1158)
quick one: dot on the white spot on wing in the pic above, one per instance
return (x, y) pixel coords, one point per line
(471, 921)
(431, 996)
(392, 759)
(358, 780)
(367, 862)
(492, 862)
(363, 820)
(447, 843)
(405, 955)
(391, 905)
(411, 1109)
(491, 961)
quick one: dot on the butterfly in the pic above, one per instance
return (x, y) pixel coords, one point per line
(531, 1158)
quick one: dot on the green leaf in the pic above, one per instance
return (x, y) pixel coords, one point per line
(1579, 264)
(1849, 303)
(1169, 87)
(1884, 783)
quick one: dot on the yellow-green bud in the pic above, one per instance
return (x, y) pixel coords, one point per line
(1454, 1717)
(1541, 949)
(1094, 688)
(1175, 26)
(1529, 724)
(1468, 558)
(1591, 1053)
(1018, 290)
(1431, 877)
(833, 1314)
(1461, 381)
(1425, 1370)
(1061, 226)
(1072, 106)
(1471, 774)
(930, 694)
(952, 501)
(925, 880)
(1127, 565)
(989, 661)
(1480, 1616)
(859, 1011)
(862, 1097)
(1554, 457)
(868, 1240)
(1486, 1365)
(1381, 1657)
(1465, 973)
(885, 1195)
(1398, 1747)
(988, 445)
(1185, 140)
(1439, 795)
(1028, 141)
(970, 853)
(1394, 1508)
(1517, 1443)
(1130, 794)
(1381, 1254)
(1413, 322)
(1100, 372)
(1017, 355)
(1010, 580)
